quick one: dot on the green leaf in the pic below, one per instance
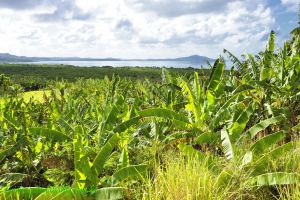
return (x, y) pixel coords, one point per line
(166, 76)
(124, 158)
(104, 153)
(13, 122)
(190, 151)
(63, 193)
(179, 135)
(297, 127)
(226, 143)
(230, 104)
(262, 163)
(83, 173)
(127, 124)
(242, 88)
(193, 104)
(65, 125)
(239, 125)
(223, 180)
(267, 58)
(163, 113)
(265, 85)
(109, 193)
(254, 66)
(247, 158)
(264, 124)
(271, 42)
(216, 75)
(127, 172)
(53, 135)
(210, 98)
(7, 152)
(68, 194)
(266, 142)
(26, 193)
(9, 178)
(197, 87)
(275, 178)
(11, 150)
(234, 59)
(208, 137)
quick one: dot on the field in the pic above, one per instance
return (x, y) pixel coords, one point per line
(33, 77)
(148, 133)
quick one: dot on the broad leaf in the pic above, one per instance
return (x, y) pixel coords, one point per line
(266, 142)
(127, 172)
(104, 153)
(262, 163)
(247, 158)
(236, 62)
(264, 124)
(53, 135)
(240, 123)
(12, 149)
(9, 178)
(109, 193)
(63, 193)
(226, 143)
(163, 113)
(193, 104)
(190, 151)
(127, 124)
(275, 178)
(83, 173)
(216, 75)
(26, 193)
(208, 137)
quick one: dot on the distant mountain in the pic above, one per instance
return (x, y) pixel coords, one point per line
(6, 57)
(191, 59)
(195, 58)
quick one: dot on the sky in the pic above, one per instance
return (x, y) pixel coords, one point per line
(142, 28)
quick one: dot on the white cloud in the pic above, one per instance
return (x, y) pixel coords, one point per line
(292, 5)
(175, 8)
(128, 28)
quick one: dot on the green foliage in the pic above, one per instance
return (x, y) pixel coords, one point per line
(53, 135)
(104, 153)
(263, 124)
(129, 171)
(276, 178)
(104, 138)
(264, 143)
(163, 113)
(226, 143)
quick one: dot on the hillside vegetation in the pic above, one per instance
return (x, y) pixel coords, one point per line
(33, 77)
(199, 136)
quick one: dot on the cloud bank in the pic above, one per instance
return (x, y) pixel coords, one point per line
(138, 28)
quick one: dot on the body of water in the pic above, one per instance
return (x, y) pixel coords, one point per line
(175, 64)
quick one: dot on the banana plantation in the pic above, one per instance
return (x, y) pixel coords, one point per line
(229, 134)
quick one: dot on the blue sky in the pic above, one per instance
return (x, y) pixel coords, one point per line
(142, 28)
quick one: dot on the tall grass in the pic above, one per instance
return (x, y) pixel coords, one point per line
(290, 162)
(182, 177)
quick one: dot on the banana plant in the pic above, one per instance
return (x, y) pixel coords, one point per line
(86, 175)
(255, 162)
(88, 172)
